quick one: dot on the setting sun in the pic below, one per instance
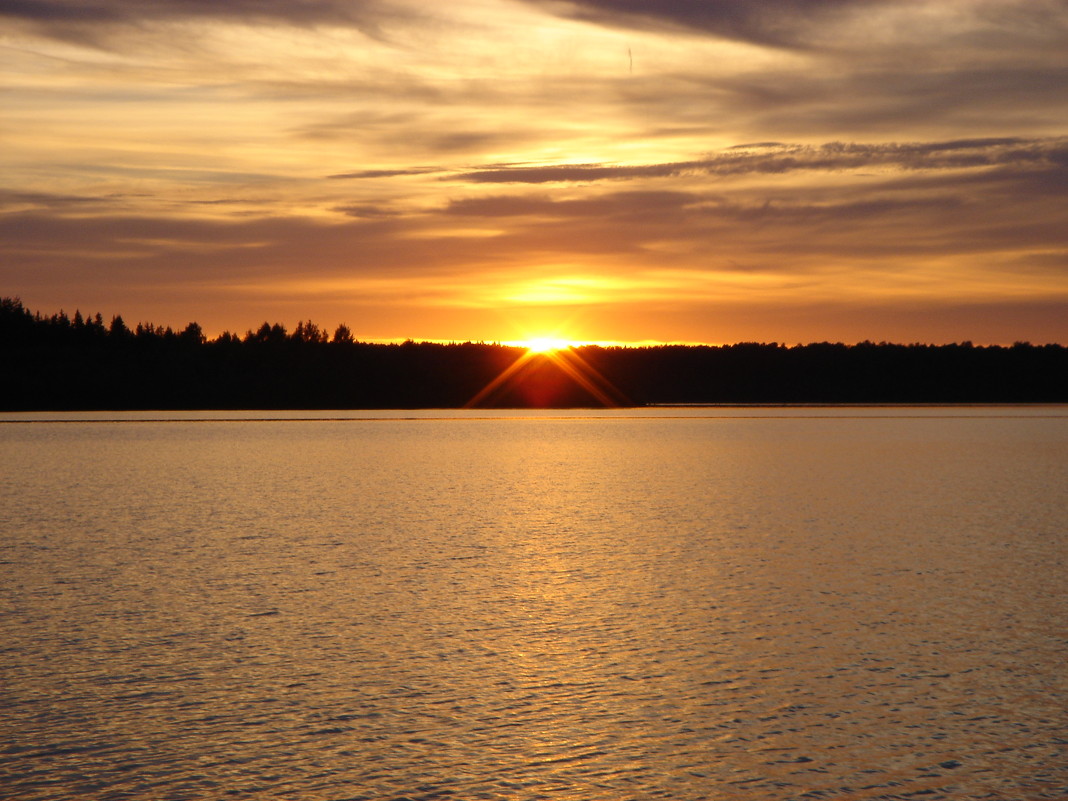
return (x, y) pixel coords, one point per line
(545, 344)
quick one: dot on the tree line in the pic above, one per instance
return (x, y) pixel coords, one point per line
(59, 362)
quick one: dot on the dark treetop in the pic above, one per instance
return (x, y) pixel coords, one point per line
(59, 362)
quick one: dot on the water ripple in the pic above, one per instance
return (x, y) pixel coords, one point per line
(536, 609)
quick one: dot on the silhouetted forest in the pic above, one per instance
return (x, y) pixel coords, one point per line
(60, 362)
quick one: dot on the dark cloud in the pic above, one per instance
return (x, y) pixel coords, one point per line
(141, 249)
(788, 23)
(872, 68)
(775, 158)
(976, 96)
(922, 94)
(565, 173)
(10, 199)
(802, 23)
(298, 12)
(847, 212)
(97, 23)
(754, 145)
(611, 205)
(365, 211)
(502, 206)
(358, 174)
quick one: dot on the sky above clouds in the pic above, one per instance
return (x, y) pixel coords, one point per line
(602, 170)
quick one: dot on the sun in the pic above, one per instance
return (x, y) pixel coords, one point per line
(545, 344)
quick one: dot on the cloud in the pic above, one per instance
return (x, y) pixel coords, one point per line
(563, 173)
(105, 12)
(872, 67)
(13, 200)
(897, 209)
(362, 174)
(906, 201)
(962, 235)
(905, 94)
(113, 250)
(106, 24)
(776, 158)
(804, 24)
(365, 211)
(771, 22)
(646, 204)
(401, 121)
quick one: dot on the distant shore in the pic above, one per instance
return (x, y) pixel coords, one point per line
(56, 363)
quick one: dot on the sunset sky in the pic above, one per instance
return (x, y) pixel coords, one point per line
(596, 170)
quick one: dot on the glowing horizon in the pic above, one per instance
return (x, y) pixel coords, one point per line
(546, 344)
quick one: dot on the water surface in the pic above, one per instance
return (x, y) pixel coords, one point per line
(670, 603)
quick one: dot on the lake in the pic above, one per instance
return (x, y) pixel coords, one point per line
(728, 603)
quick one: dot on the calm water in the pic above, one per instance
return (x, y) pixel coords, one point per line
(676, 604)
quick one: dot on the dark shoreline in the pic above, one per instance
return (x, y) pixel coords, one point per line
(59, 364)
(1013, 411)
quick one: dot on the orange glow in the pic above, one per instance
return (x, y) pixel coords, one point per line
(546, 344)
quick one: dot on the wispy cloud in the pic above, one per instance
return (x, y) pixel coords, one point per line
(787, 23)
(777, 158)
(359, 174)
(92, 21)
(810, 23)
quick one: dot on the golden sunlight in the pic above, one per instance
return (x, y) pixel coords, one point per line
(545, 344)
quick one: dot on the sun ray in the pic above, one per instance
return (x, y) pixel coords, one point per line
(584, 374)
(566, 358)
(501, 380)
